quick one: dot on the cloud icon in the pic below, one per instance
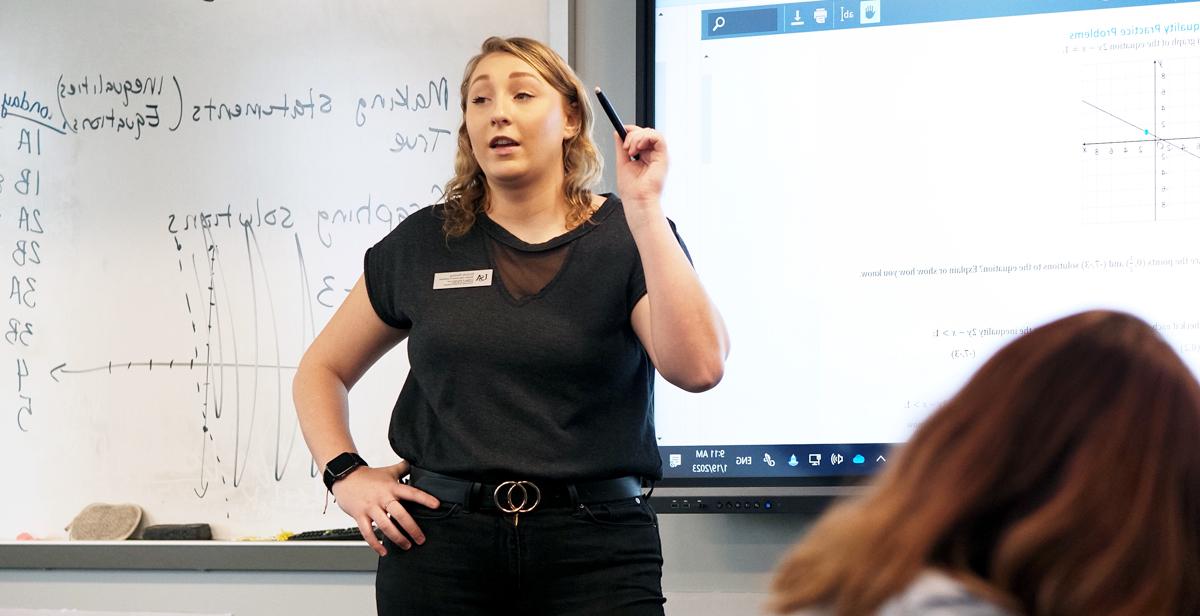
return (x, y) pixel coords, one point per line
(859, 459)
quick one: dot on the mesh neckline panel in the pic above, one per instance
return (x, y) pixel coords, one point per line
(526, 274)
(525, 270)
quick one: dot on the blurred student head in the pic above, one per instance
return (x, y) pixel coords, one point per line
(1064, 478)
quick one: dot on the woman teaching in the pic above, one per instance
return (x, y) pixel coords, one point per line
(536, 315)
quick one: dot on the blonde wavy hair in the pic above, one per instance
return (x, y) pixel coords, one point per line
(466, 193)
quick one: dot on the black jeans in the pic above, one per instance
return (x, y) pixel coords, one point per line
(594, 559)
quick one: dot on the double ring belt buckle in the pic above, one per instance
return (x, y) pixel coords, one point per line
(517, 497)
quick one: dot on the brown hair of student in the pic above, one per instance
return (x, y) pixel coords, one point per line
(1064, 478)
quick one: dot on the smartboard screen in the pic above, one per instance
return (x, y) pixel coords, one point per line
(880, 193)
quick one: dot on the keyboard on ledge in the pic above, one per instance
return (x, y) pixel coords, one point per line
(332, 534)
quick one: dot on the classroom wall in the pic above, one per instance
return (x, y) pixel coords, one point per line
(715, 563)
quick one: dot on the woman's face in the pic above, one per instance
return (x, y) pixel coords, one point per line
(516, 121)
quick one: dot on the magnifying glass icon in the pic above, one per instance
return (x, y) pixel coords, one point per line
(718, 23)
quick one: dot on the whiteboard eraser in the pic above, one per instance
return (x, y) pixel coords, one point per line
(178, 532)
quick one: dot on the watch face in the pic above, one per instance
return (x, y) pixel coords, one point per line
(344, 463)
(340, 466)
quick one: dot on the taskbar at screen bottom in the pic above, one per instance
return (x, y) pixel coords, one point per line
(773, 461)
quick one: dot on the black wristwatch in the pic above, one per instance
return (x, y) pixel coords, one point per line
(341, 466)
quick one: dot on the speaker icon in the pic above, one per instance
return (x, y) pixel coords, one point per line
(837, 458)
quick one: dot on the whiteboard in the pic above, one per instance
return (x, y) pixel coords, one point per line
(186, 192)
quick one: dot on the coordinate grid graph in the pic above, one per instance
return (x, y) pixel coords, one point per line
(1142, 141)
(238, 361)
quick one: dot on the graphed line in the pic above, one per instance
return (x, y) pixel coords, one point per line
(1145, 131)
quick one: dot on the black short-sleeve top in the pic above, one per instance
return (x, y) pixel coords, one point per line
(552, 384)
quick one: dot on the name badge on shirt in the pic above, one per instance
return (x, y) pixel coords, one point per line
(462, 280)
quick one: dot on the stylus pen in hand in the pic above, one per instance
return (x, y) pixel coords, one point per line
(612, 116)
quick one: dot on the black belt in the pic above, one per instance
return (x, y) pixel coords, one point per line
(522, 496)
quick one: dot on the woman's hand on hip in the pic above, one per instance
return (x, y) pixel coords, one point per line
(374, 495)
